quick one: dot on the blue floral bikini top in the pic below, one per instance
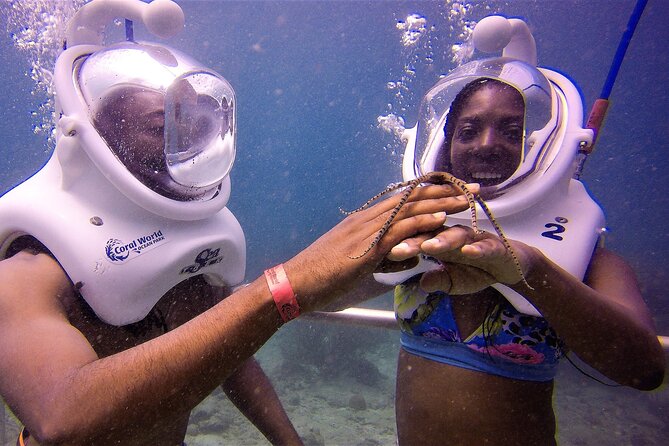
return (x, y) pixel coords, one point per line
(507, 343)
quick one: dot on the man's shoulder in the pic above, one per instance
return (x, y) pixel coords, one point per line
(30, 279)
(26, 266)
(28, 244)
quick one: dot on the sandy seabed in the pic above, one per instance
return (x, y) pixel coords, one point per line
(337, 385)
(343, 396)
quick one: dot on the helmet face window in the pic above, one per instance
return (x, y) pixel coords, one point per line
(477, 122)
(169, 121)
(199, 131)
(484, 133)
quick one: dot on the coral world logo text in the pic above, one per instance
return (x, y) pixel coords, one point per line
(119, 251)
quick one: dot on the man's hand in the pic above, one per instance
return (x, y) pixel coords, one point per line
(328, 269)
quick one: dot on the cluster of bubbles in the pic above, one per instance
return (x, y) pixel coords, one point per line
(412, 29)
(415, 40)
(461, 29)
(37, 28)
(393, 125)
(416, 49)
(418, 39)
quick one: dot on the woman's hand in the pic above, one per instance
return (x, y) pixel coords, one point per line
(471, 261)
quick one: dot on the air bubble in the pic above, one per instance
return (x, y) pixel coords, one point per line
(38, 30)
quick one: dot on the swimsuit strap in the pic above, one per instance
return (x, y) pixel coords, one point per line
(23, 435)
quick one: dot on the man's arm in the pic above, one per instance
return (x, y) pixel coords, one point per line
(53, 380)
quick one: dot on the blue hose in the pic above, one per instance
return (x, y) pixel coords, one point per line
(622, 48)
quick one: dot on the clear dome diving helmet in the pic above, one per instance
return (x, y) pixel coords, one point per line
(133, 199)
(189, 109)
(537, 201)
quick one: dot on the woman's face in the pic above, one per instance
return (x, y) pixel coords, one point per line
(488, 136)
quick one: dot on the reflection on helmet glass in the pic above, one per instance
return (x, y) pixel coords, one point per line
(198, 123)
(226, 116)
(199, 131)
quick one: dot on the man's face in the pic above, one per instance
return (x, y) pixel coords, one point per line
(488, 137)
(132, 122)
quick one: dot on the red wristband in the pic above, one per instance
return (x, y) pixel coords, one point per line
(282, 293)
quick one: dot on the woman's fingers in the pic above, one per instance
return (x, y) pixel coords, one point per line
(450, 239)
(431, 201)
(456, 279)
(408, 227)
(408, 248)
(463, 240)
(487, 247)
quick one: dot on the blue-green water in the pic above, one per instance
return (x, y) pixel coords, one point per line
(311, 78)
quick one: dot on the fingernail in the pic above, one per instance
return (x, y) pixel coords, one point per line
(439, 215)
(399, 248)
(474, 188)
(431, 243)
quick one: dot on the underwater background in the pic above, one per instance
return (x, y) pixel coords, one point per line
(318, 86)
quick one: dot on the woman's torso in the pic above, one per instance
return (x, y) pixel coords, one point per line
(444, 403)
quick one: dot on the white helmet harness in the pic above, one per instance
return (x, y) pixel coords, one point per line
(122, 239)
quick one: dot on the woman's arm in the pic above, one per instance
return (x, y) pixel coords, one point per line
(604, 320)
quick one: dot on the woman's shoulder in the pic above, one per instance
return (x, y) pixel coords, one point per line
(604, 261)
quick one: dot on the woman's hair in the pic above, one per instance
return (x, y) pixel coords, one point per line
(443, 160)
